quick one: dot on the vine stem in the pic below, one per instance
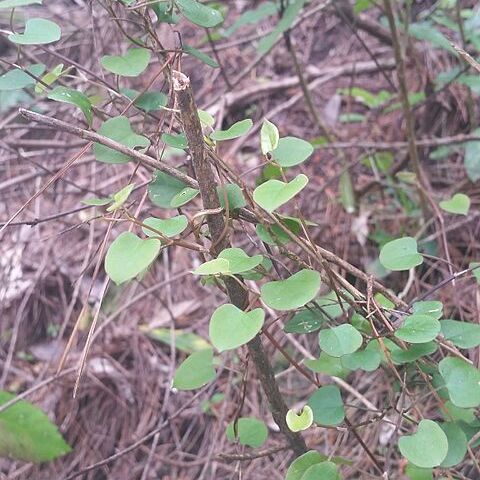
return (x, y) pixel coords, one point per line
(216, 224)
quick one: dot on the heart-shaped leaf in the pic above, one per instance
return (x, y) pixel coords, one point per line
(292, 151)
(195, 371)
(418, 328)
(327, 406)
(38, 31)
(292, 293)
(217, 266)
(27, 434)
(416, 351)
(132, 64)
(426, 448)
(274, 193)
(301, 421)
(328, 365)
(18, 3)
(164, 188)
(236, 130)
(73, 97)
(199, 14)
(457, 444)
(148, 101)
(234, 195)
(129, 256)
(269, 137)
(431, 308)
(462, 381)
(323, 471)
(367, 360)
(183, 197)
(239, 261)
(250, 432)
(416, 473)
(170, 227)
(400, 254)
(461, 334)
(340, 340)
(305, 321)
(231, 327)
(17, 78)
(118, 129)
(176, 141)
(300, 465)
(459, 204)
(120, 197)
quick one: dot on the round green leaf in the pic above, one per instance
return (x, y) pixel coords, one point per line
(132, 64)
(18, 78)
(217, 266)
(38, 31)
(462, 381)
(27, 434)
(457, 444)
(418, 328)
(431, 308)
(170, 227)
(292, 151)
(195, 371)
(459, 204)
(235, 196)
(292, 293)
(368, 359)
(163, 189)
(183, 197)
(120, 197)
(148, 101)
(340, 340)
(322, 471)
(300, 465)
(236, 130)
(461, 334)
(328, 365)
(129, 256)
(305, 321)
(199, 14)
(251, 432)
(231, 327)
(301, 421)
(416, 351)
(118, 129)
(239, 261)
(73, 97)
(176, 141)
(426, 448)
(327, 406)
(274, 193)
(400, 254)
(416, 473)
(268, 137)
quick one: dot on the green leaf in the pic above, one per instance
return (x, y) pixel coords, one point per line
(454, 413)
(121, 197)
(428, 32)
(251, 432)
(235, 196)
(347, 193)
(341, 340)
(73, 97)
(413, 353)
(368, 359)
(457, 444)
(175, 141)
(275, 235)
(203, 57)
(148, 101)
(217, 266)
(132, 64)
(118, 129)
(170, 227)
(459, 204)
(17, 78)
(206, 118)
(472, 158)
(431, 308)
(288, 17)
(274, 193)
(200, 14)
(292, 151)
(27, 434)
(416, 473)
(49, 78)
(183, 197)
(292, 293)
(301, 421)
(322, 471)
(38, 31)
(129, 255)
(18, 3)
(327, 406)
(418, 328)
(239, 261)
(426, 448)
(305, 321)
(195, 371)
(186, 342)
(269, 136)
(236, 130)
(462, 381)
(302, 463)
(461, 334)
(97, 202)
(328, 365)
(400, 254)
(231, 327)
(164, 188)
(251, 17)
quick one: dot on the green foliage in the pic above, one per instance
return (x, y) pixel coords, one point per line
(400, 254)
(292, 293)
(129, 255)
(472, 158)
(163, 189)
(27, 434)
(17, 78)
(170, 227)
(418, 328)
(236, 130)
(328, 365)
(249, 431)
(457, 444)
(234, 194)
(119, 130)
(120, 197)
(251, 17)
(183, 197)
(327, 406)
(195, 371)
(305, 321)
(186, 342)
(459, 204)
(199, 14)
(461, 334)
(322, 470)
(132, 64)
(462, 381)
(269, 137)
(275, 193)
(38, 31)
(231, 327)
(302, 463)
(18, 3)
(200, 56)
(297, 422)
(148, 101)
(291, 151)
(73, 97)
(341, 340)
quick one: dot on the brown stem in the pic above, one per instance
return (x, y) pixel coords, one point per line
(238, 295)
